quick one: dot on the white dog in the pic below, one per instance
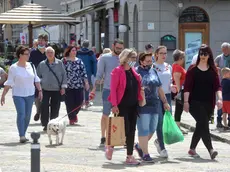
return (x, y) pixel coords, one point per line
(54, 127)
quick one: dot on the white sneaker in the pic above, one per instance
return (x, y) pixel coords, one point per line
(156, 143)
(164, 154)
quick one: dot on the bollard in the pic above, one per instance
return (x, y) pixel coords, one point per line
(35, 152)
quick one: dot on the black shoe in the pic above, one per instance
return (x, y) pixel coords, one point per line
(219, 125)
(36, 117)
(213, 154)
(102, 142)
(45, 128)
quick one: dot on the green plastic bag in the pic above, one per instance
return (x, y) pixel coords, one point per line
(171, 132)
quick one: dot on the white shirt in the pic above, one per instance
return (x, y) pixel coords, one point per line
(194, 59)
(22, 80)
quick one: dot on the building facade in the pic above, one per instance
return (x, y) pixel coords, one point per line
(178, 24)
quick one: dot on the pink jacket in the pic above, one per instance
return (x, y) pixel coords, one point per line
(118, 85)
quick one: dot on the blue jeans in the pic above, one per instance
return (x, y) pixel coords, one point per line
(23, 107)
(147, 124)
(86, 94)
(160, 121)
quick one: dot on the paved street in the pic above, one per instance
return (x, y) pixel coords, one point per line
(80, 152)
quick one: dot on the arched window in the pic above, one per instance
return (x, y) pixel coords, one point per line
(194, 15)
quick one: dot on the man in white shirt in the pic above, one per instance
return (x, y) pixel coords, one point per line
(194, 59)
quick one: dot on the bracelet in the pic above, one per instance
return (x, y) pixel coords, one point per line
(185, 102)
(39, 90)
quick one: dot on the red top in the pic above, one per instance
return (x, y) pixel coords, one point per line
(179, 69)
(118, 85)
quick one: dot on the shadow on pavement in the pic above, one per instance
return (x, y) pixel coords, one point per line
(75, 125)
(196, 160)
(164, 161)
(35, 125)
(99, 148)
(40, 132)
(13, 144)
(114, 166)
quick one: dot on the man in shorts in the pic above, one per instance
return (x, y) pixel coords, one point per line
(106, 64)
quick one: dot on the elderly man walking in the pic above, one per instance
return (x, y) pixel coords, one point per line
(221, 61)
(53, 81)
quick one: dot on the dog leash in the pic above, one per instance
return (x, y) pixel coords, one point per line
(90, 98)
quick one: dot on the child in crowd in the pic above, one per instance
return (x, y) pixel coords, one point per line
(225, 83)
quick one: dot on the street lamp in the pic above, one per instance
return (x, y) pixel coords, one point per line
(123, 28)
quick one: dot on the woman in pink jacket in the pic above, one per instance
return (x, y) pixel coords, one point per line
(125, 92)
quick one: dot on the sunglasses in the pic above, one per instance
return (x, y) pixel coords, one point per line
(204, 54)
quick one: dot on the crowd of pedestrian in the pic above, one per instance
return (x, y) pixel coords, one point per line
(39, 75)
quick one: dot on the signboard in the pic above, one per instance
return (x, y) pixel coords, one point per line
(23, 38)
(151, 26)
(193, 41)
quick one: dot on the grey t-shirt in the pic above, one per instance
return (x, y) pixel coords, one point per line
(221, 63)
(164, 72)
(106, 64)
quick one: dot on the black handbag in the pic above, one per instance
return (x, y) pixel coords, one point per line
(59, 83)
(36, 90)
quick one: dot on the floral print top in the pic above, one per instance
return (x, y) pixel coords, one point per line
(76, 73)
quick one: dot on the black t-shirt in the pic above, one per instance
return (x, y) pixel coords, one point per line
(203, 87)
(130, 97)
(36, 57)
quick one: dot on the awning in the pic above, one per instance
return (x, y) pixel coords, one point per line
(92, 8)
(35, 14)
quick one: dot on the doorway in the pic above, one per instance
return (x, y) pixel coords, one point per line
(193, 31)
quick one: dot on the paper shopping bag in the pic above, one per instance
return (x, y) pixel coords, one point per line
(115, 133)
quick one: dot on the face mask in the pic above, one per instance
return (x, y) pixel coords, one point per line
(41, 46)
(147, 66)
(131, 64)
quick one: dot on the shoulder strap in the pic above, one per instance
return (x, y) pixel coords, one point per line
(59, 83)
(33, 69)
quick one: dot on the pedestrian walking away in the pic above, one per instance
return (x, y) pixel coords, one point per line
(147, 121)
(106, 64)
(202, 86)
(77, 82)
(89, 59)
(22, 78)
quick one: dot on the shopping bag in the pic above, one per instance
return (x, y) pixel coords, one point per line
(171, 132)
(115, 133)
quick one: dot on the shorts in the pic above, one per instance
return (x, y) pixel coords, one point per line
(107, 106)
(147, 124)
(226, 107)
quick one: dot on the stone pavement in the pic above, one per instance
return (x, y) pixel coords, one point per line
(189, 123)
(80, 152)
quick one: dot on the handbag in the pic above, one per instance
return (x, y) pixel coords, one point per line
(36, 90)
(59, 83)
(142, 102)
(115, 133)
